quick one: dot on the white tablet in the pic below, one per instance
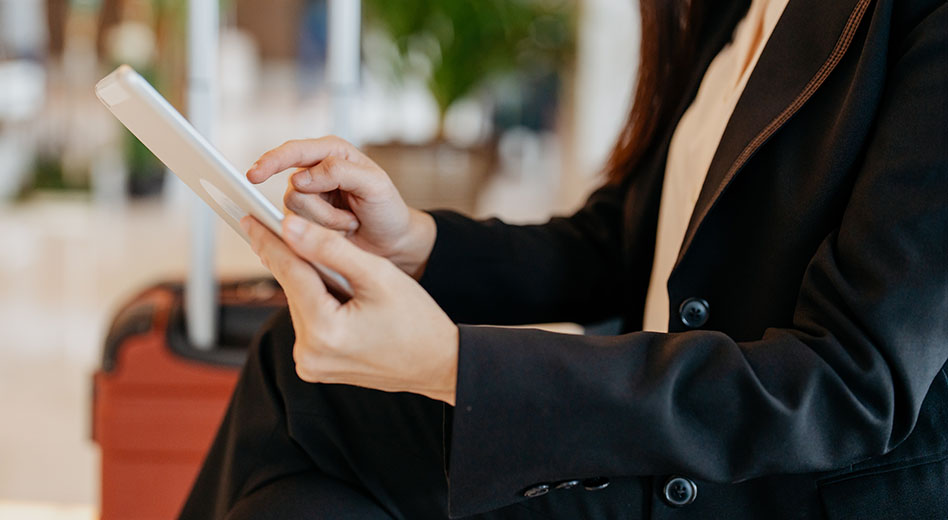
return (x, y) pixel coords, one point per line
(192, 158)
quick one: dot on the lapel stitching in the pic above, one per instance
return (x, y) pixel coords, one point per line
(842, 45)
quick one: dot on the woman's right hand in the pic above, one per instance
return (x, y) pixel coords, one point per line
(340, 188)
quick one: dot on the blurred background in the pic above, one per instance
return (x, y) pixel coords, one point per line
(505, 108)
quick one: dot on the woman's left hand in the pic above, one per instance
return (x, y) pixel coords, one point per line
(390, 336)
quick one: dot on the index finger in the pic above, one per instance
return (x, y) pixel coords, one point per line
(300, 153)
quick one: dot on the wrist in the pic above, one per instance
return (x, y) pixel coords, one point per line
(449, 366)
(416, 245)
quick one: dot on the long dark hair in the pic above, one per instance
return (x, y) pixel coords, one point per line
(670, 31)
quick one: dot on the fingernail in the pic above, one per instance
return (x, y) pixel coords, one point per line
(295, 226)
(245, 224)
(302, 178)
(354, 225)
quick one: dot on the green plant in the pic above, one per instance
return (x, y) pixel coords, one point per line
(470, 43)
(48, 174)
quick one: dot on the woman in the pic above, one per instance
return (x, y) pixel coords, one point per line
(773, 234)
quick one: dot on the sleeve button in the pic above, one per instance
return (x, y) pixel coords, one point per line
(537, 491)
(595, 484)
(680, 491)
(694, 312)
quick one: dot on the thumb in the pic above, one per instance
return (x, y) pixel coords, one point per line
(330, 249)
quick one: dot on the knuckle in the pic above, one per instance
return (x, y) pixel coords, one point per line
(253, 234)
(332, 166)
(292, 199)
(342, 146)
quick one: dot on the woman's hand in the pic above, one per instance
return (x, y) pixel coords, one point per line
(390, 336)
(340, 188)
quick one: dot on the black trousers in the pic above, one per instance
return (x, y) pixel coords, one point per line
(290, 449)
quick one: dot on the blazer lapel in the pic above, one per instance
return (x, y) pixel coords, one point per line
(807, 43)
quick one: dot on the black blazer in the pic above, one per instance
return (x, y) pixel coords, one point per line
(815, 382)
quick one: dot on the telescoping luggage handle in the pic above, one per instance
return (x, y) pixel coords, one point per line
(342, 63)
(201, 287)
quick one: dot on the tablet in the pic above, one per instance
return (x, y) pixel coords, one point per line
(176, 143)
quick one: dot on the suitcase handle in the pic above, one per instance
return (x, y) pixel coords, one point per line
(242, 309)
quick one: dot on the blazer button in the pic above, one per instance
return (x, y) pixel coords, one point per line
(694, 312)
(537, 491)
(567, 484)
(595, 484)
(680, 491)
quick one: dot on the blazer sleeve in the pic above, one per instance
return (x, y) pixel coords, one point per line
(492, 272)
(844, 383)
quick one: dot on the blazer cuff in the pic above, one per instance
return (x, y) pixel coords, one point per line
(506, 411)
(445, 252)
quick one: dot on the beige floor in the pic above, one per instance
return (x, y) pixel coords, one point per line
(10, 510)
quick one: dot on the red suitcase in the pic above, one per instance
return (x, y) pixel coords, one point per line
(157, 401)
